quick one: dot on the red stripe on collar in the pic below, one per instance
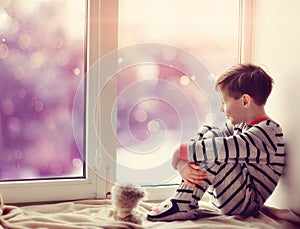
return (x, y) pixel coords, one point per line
(259, 120)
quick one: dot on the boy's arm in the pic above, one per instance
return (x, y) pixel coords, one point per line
(203, 130)
(189, 171)
(207, 131)
(256, 145)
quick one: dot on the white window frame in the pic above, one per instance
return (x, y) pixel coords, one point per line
(246, 24)
(100, 172)
(93, 186)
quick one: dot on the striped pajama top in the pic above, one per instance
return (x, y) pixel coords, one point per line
(259, 147)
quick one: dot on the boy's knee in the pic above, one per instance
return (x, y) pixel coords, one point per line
(213, 133)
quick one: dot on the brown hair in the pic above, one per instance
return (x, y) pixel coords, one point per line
(246, 79)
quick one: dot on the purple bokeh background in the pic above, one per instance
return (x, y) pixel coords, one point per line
(42, 62)
(41, 65)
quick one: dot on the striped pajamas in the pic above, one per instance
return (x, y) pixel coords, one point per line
(243, 166)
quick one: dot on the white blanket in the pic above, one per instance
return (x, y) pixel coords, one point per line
(93, 214)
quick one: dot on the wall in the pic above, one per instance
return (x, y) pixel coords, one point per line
(277, 46)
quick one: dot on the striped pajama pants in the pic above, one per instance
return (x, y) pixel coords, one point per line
(229, 186)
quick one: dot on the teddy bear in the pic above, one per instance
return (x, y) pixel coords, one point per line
(125, 198)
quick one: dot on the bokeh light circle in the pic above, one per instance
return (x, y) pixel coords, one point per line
(151, 55)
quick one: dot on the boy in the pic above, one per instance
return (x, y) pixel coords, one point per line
(242, 163)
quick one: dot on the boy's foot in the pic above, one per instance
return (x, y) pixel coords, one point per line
(169, 211)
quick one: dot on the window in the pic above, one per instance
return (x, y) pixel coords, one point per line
(114, 122)
(44, 58)
(42, 63)
(166, 86)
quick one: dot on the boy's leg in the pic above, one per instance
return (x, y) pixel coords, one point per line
(184, 203)
(232, 191)
(181, 206)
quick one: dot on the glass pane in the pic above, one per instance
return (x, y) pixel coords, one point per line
(168, 91)
(42, 58)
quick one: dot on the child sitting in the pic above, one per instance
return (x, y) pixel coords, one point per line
(240, 165)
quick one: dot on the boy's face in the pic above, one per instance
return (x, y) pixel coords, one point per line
(233, 108)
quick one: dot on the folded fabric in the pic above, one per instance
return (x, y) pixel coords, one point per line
(91, 214)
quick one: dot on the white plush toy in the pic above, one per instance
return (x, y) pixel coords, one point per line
(125, 198)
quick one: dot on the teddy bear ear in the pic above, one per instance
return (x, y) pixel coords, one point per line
(142, 194)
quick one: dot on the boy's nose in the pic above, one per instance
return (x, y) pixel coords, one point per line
(221, 109)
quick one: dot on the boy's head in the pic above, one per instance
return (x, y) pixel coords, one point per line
(246, 79)
(245, 89)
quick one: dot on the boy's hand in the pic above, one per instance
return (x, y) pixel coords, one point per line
(190, 172)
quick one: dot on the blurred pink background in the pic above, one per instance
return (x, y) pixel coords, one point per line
(42, 61)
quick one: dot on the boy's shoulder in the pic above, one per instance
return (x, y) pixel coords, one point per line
(267, 127)
(269, 123)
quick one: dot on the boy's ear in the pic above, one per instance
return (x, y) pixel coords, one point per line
(247, 100)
